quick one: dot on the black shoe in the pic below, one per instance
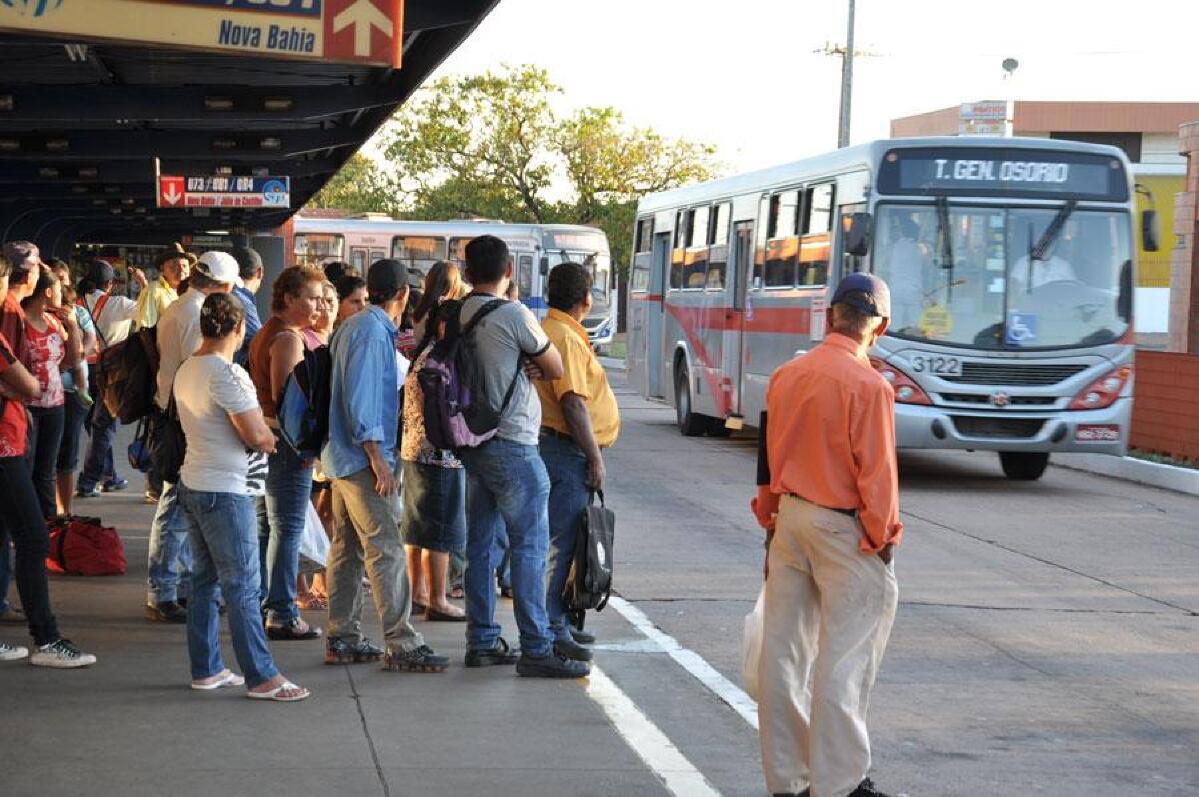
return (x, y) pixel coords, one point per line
(582, 637)
(499, 655)
(804, 793)
(422, 659)
(166, 612)
(290, 631)
(339, 651)
(866, 789)
(115, 485)
(551, 665)
(572, 650)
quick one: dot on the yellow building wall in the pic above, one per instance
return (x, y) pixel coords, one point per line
(1154, 267)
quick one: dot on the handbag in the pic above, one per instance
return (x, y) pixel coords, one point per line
(169, 445)
(140, 458)
(589, 582)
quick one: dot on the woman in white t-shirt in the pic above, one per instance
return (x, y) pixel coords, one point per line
(223, 472)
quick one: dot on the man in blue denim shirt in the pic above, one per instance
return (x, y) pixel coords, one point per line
(360, 457)
(506, 481)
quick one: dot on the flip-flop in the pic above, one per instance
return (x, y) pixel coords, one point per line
(228, 678)
(437, 616)
(286, 686)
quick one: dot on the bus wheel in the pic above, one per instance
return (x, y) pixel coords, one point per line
(716, 428)
(690, 423)
(1023, 466)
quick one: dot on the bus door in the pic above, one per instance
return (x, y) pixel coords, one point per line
(741, 258)
(359, 258)
(657, 363)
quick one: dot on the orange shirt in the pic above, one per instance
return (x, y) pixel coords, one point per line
(831, 437)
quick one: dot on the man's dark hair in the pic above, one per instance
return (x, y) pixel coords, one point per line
(347, 285)
(220, 314)
(336, 269)
(846, 319)
(248, 261)
(568, 284)
(486, 260)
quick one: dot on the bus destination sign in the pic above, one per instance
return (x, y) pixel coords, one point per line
(991, 172)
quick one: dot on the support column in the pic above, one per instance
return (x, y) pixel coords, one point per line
(1184, 261)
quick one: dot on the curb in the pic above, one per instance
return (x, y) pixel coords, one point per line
(1153, 474)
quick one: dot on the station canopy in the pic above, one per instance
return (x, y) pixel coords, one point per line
(101, 98)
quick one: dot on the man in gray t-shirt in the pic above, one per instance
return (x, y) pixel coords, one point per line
(503, 338)
(506, 481)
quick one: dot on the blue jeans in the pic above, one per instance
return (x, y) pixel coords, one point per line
(170, 554)
(506, 483)
(98, 465)
(224, 539)
(288, 491)
(567, 467)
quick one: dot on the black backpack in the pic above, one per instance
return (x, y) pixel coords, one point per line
(303, 406)
(127, 375)
(589, 583)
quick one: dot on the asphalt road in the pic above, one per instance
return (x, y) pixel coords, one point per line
(1047, 639)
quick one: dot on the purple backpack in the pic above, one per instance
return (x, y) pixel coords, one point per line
(453, 383)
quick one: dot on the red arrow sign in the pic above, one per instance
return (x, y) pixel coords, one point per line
(171, 191)
(364, 30)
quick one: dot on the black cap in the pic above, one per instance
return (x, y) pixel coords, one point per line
(866, 292)
(385, 278)
(100, 272)
(248, 261)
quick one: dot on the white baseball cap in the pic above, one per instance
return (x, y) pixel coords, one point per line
(220, 267)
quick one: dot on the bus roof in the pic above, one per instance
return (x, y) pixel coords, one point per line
(454, 228)
(849, 159)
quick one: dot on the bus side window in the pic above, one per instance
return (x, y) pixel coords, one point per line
(524, 276)
(645, 236)
(677, 253)
(718, 252)
(817, 235)
(696, 259)
(761, 235)
(782, 248)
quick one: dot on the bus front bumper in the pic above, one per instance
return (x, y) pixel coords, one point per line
(1102, 431)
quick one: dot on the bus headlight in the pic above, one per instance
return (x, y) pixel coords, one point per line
(906, 391)
(1103, 391)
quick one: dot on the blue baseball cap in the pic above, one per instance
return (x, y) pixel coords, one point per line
(866, 292)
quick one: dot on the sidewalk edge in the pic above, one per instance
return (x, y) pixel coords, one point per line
(1153, 474)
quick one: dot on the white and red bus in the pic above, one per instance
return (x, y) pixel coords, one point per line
(535, 248)
(1011, 264)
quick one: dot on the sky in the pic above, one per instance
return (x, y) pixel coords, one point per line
(743, 75)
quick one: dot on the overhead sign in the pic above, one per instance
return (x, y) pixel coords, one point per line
(175, 191)
(351, 31)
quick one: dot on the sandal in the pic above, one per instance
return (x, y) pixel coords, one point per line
(438, 616)
(457, 593)
(227, 678)
(291, 631)
(314, 603)
(297, 693)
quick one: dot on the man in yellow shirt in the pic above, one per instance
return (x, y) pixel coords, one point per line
(173, 267)
(579, 418)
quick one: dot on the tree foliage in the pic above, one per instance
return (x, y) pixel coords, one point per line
(361, 186)
(497, 145)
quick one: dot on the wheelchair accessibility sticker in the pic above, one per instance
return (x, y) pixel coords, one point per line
(1021, 328)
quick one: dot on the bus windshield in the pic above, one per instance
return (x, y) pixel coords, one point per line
(600, 266)
(1006, 277)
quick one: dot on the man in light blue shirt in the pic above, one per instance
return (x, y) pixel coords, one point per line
(360, 457)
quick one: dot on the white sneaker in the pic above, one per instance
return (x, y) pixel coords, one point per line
(12, 652)
(61, 654)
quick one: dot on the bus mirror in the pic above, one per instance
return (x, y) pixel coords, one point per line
(855, 232)
(1150, 231)
(545, 266)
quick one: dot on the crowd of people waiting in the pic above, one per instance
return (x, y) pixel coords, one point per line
(410, 525)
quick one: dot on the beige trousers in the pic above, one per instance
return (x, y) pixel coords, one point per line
(829, 609)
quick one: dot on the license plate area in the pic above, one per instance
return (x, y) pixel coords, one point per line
(936, 365)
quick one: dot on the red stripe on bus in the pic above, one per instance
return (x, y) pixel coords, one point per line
(645, 297)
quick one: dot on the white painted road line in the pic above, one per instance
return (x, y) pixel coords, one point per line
(690, 661)
(681, 777)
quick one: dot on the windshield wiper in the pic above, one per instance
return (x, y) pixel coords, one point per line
(1041, 249)
(946, 243)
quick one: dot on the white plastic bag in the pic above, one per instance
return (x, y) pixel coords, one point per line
(751, 645)
(314, 545)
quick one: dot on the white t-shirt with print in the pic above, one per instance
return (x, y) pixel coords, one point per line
(208, 390)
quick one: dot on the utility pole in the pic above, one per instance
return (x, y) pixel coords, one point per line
(846, 84)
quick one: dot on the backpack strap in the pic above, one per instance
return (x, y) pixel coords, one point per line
(492, 306)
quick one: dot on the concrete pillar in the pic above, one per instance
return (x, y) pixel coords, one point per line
(1184, 262)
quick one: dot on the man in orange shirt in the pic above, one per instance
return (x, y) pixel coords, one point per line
(830, 505)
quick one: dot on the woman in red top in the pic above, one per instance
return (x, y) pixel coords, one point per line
(23, 518)
(51, 345)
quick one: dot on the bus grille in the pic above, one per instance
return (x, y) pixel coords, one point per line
(1010, 428)
(1014, 374)
(1013, 401)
